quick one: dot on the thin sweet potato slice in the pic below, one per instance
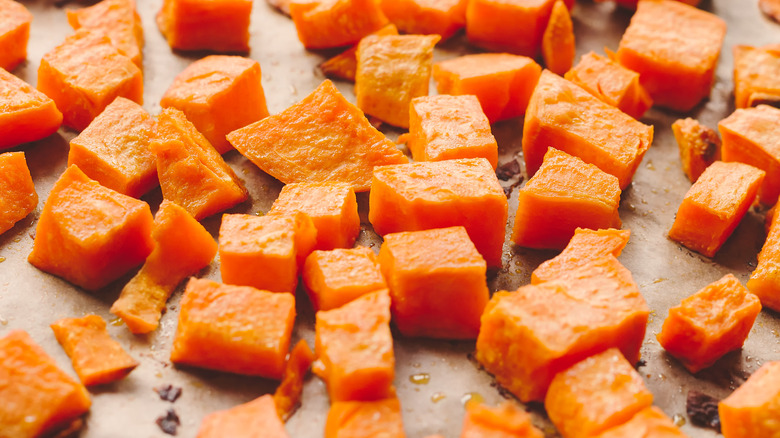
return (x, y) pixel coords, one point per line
(585, 247)
(558, 48)
(245, 421)
(287, 396)
(14, 33)
(699, 146)
(119, 21)
(18, 197)
(26, 114)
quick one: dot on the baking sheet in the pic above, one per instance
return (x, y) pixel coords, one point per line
(666, 273)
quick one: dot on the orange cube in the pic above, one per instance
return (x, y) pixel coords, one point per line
(344, 65)
(355, 349)
(612, 83)
(674, 47)
(26, 114)
(585, 247)
(437, 282)
(563, 115)
(714, 206)
(596, 394)
(511, 26)
(244, 421)
(752, 136)
(386, 94)
(699, 146)
(45, 399)
(183, 248)
(756, 76)
(530, 335)
(264, 252)
(116, 19)
(321, 138)
(448, 127)
(439, 194)
(503, 421)
(96, 357)
(503, 83)
(14, 33)
(321, 23)
(425, 17)
(215, 25)
(219, 94)
(191, 172)
(563, 195)
(334, 278)
(237, 329)
(650, 422)
(332, 207)
(752, 410)
(710, 323)
(17, 191)
(90, 235)
(764, 281)
(114, 149)
(85, 74)
(355, 419)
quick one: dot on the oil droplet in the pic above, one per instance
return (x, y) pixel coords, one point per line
(158, 375)
(437, 397)
(2, 259)
(662, 377)
(3, 321)
(472, 396)
(658, 280)
(420, 378)
(116, 321)
(650, 165)
(18, 239)
(259, 213)
(416, 365)
(678, 420)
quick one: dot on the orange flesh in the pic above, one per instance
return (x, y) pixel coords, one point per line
(515, 27)
(26, 114)
(244, 421)
(358, 419)
(764, 281)
(287, 396)
(585, 247)
(699, 146)
(320, 23)
(756, 75)
(503, 421)
(648, 423)
(344, 65)
(236, 329)
(14, 33)
(426, 17)
(714, 206)
(219, 94)
(558, 48)
(119, 21)
(96, 357)
(752, 410)
(563, 195)
(334, 278)
(17, 191)
(215, 25)
(321, 138)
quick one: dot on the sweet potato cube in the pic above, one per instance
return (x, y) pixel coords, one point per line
(439, 194)
(216, 25)
(85, 74)
(391, 71)
(765, 279)
(321, 138)
(563, 195)
(710, 323)
(585, 247)
(503, 83)
(558, 48)
(508, 26)
(344, 65)
(191, 172)
(14, 33)
(752, 410)
(437, 282)
(287, 396)
(334, 278)
(237, 329)
(26, 114)
(714, 206)
(503, 421)
(265, 252)
(96, 357)
(355, 349)
(17, 190)
(114, 149)
(426, 17)
(528, 336)
(244, 421)
(448, 127)
(219, 94)
(596, 394)
(674, 47)
(321, 23)
(119, 21)
(649, 423)
(360, 419)
(699, 146)
(183, 248)
(90, 235)
(332, 207)
(45, 399)
(752, 136)
(756, 76)
(612, 83)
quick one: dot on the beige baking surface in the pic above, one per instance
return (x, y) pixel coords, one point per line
(666, 273)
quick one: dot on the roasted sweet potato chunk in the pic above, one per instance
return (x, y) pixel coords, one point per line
(18, 197)
(503, 421)
(14, 33)
(321, 23)
(356, 419)
(116, 19)
(765, 280)
(515, 27)
(344, 65)
(648, 423)
(287, 396)
(756, 76)
(217, 25)
(585, 247)
(426, 17)
(244, 421)
(334, 278)
(752, 409)
(558, 48)
(26, 114)
(699, 146)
